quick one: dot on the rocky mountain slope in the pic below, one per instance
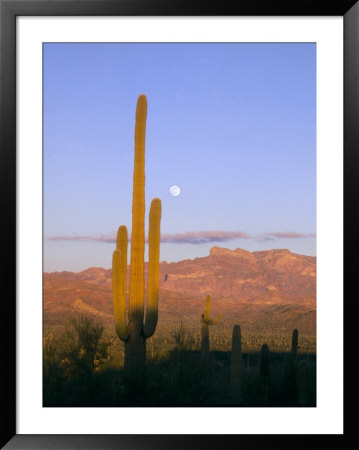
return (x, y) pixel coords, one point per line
(266, 285)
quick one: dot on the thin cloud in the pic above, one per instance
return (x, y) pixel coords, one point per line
(190, 237)
(203, 237)
(290, 235)
(101, 238)
(193, 237)
(264, 238)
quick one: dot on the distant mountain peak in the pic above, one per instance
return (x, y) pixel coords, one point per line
(237, 279)
(220, 251)
(216, 250)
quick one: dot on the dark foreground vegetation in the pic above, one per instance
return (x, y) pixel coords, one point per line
(80, 369)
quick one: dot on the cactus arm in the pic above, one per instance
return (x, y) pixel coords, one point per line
(153, 268)
(122, 240)
(214, 321)
(207, 320)
(137, 281)
(119, 266)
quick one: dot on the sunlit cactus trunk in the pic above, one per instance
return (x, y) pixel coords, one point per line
(129, 322)
(236, 364)
(206, 321)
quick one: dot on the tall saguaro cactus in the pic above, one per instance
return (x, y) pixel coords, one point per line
(129, 322)
(206, 321)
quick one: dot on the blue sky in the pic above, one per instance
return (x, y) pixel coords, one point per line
(234, 125)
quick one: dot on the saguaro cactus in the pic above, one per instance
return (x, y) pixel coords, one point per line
(129, 323)
(206, 321)
(264, 373)
(236, 364)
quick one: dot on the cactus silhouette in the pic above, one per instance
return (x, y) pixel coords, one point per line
(206, 321)
(264, 373)
(236, 364)
(303, 383)
(294, 351)
(291, 372)
(129, 322)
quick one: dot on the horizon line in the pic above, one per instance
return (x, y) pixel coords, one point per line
(190, 259)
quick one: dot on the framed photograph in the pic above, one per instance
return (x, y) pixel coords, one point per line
(174, 202)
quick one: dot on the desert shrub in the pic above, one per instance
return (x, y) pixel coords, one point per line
(84, 347)
(184, 339)
(49, 351)
(77, 372)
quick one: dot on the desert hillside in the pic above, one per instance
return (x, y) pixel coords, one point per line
(274, 288)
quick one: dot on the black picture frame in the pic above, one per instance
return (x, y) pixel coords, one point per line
(9, 10)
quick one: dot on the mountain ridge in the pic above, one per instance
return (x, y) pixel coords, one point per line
(241, 283)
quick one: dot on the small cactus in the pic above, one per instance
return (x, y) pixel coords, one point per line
(294, 351)
(264, 373)
(236, 364)
(206, 321)
(291, 372)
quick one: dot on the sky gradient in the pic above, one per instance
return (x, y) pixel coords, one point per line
(233, 125)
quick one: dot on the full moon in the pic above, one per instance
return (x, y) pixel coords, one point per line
(175, 191)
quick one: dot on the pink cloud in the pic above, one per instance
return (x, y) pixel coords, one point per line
(290, 235)
(201, 237)
(192, 237)
(101, 238)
